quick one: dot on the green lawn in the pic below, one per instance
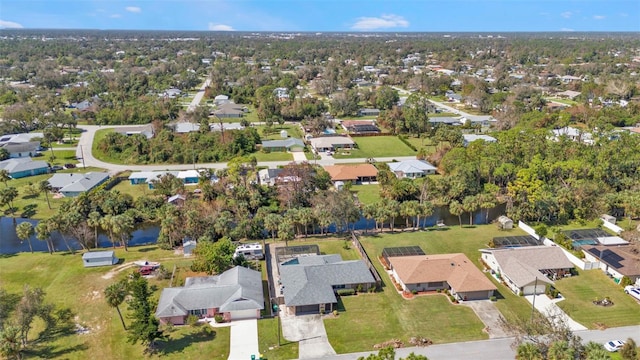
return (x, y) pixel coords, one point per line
(273, 156)
(274, 132)
(580, 291)
(99, 154)
(107, 339)
(367, 194)
(431, 316)
(376, 146)
(268, 341)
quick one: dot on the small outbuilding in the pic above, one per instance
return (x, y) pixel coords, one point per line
(99, 258)
(505, 223)
(188, 246)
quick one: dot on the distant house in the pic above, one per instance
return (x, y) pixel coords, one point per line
(453, 97)
(528, 270)
(23, 167)
(269, 176)
(368, 112)
(225, 126)
(454, 272)
(147, 177)
(171, 93)
(71, 185)
(81, 106)
(568, 94)
(412, 169)
(284, 145)
(189, 176)
(186, 127)
(230, 110)
(573, 134)
(144, 130)
(309, 283)
(617, 261)
(19, 138)
(22, 149)
(99, 258)
(354, 173)
(281, 93)
(235, 294)
(444, 120)
(331, 143)
(177, 200)
(220, 99)
(360, 126)
(469, 138)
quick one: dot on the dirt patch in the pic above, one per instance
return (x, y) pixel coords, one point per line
(118, 269)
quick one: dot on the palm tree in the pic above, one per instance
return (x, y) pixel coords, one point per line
(7, 195)
(45, 187)
(4, 176)
(43, 232)
(425, 209)
(115, 295)
(271, 222)
(528, 351)
(93, 220)
(456, 209)
(409, 210)
(106, 225)
(122, 227)
(24, 230)
(470, 204)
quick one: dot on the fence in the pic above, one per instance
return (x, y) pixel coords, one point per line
(613, 227)
(528, 229)
(367, 260)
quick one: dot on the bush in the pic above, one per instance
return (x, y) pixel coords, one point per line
(346, 292)
(192, 320)
(406, 142)
(359, 288)
(453, 299)
(218, 319)
(335, 312)
(625, 281)
(438, 291)
(493, 298)
(414, 292)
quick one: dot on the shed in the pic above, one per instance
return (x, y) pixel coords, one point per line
(99, 258)
(608, 218)
(188, 246)
(505, 222)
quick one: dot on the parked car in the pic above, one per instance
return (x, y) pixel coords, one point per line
(56, 168)
(69, 166)
(613, 345)
(633, 291)
(146, 270)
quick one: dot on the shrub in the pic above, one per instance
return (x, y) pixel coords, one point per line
(625, 281)
(192, 320)
(218, 319)
(438, 291)
(346, 292)
(414, 292)
(359, 288)
(493, 298)
(335, 312)
(453, 299)
(406, 142)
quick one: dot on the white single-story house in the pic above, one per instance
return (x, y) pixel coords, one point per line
(469, 138)
(99, 258)
(331, 143)
(528, 269)
(235, 294)
(412, 168)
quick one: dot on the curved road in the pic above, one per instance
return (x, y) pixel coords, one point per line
(88, 133)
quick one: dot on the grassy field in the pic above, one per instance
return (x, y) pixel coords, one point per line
(431, 316)
(67, 283)
(273, 156)
(579, 292)
(367, 194)
(268, 341)
(274, 132)
(376, 146)
(35, 207)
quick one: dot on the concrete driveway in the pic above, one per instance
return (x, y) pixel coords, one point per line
(244, 340)
(309, 331)
(489, 315)
(548, 308)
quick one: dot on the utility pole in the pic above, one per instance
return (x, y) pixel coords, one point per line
(82, 154)
(533, 305)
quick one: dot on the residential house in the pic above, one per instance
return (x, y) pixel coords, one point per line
(360, 126)
(284, 145)
(81, 106)
(171, 93)
(368, 112)
(235, 294)
(144, 130)
(20, 138)
(309, 283)
(529, 269)
(454, 272)
(22, 149)
(230, 110)
(177, 200)
(99, 258)
(331, 143)
(444, 120)
(568, 94)
(216, 126)
(186, 127)
(412, 169)
(147, 177)
(220, 99)
(281, 93)
(354, 173)
(23, 167)
(269, 176)
(617, 261)
(189, 176)
(469, 138)
(573, 134)
(71, 185)
(453, 97)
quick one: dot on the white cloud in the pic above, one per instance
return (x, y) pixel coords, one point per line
(598, 17)
(115, 16)
(382, 22)
(566, 14)
(220, 27)
(133, 9)
(624, 14)
(566, 29)
(9, 25)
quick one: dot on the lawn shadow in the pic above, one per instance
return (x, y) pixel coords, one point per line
(6, 256)
(340, 305)
(148, 249)
(49, 351)
(29, 211)
(202, 334)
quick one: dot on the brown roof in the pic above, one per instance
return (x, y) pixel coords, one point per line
(347, 123)
(456, 269)
(351, 172)
(624, 259)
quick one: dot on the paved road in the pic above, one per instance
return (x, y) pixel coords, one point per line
(496, 349)
(86, 140)
(198, 98)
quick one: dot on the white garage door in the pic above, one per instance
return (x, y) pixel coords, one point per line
(529, 290)
(244, 314)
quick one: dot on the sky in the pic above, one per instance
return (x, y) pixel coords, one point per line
(324, 15)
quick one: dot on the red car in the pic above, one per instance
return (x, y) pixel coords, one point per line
(146, 270)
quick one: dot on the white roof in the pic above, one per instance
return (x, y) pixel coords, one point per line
(612, 240)
(188, 174)
(473, 137)
(411, 166)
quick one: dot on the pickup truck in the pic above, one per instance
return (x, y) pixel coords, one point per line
(635, 292)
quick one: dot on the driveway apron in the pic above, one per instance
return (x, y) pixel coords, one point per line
(244, 340)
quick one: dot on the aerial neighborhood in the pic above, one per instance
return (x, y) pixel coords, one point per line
(257, 195)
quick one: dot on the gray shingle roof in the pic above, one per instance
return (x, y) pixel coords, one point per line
(236, 289)
(311, 280)
(285, 143)
(522, 264)
(22, 164)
